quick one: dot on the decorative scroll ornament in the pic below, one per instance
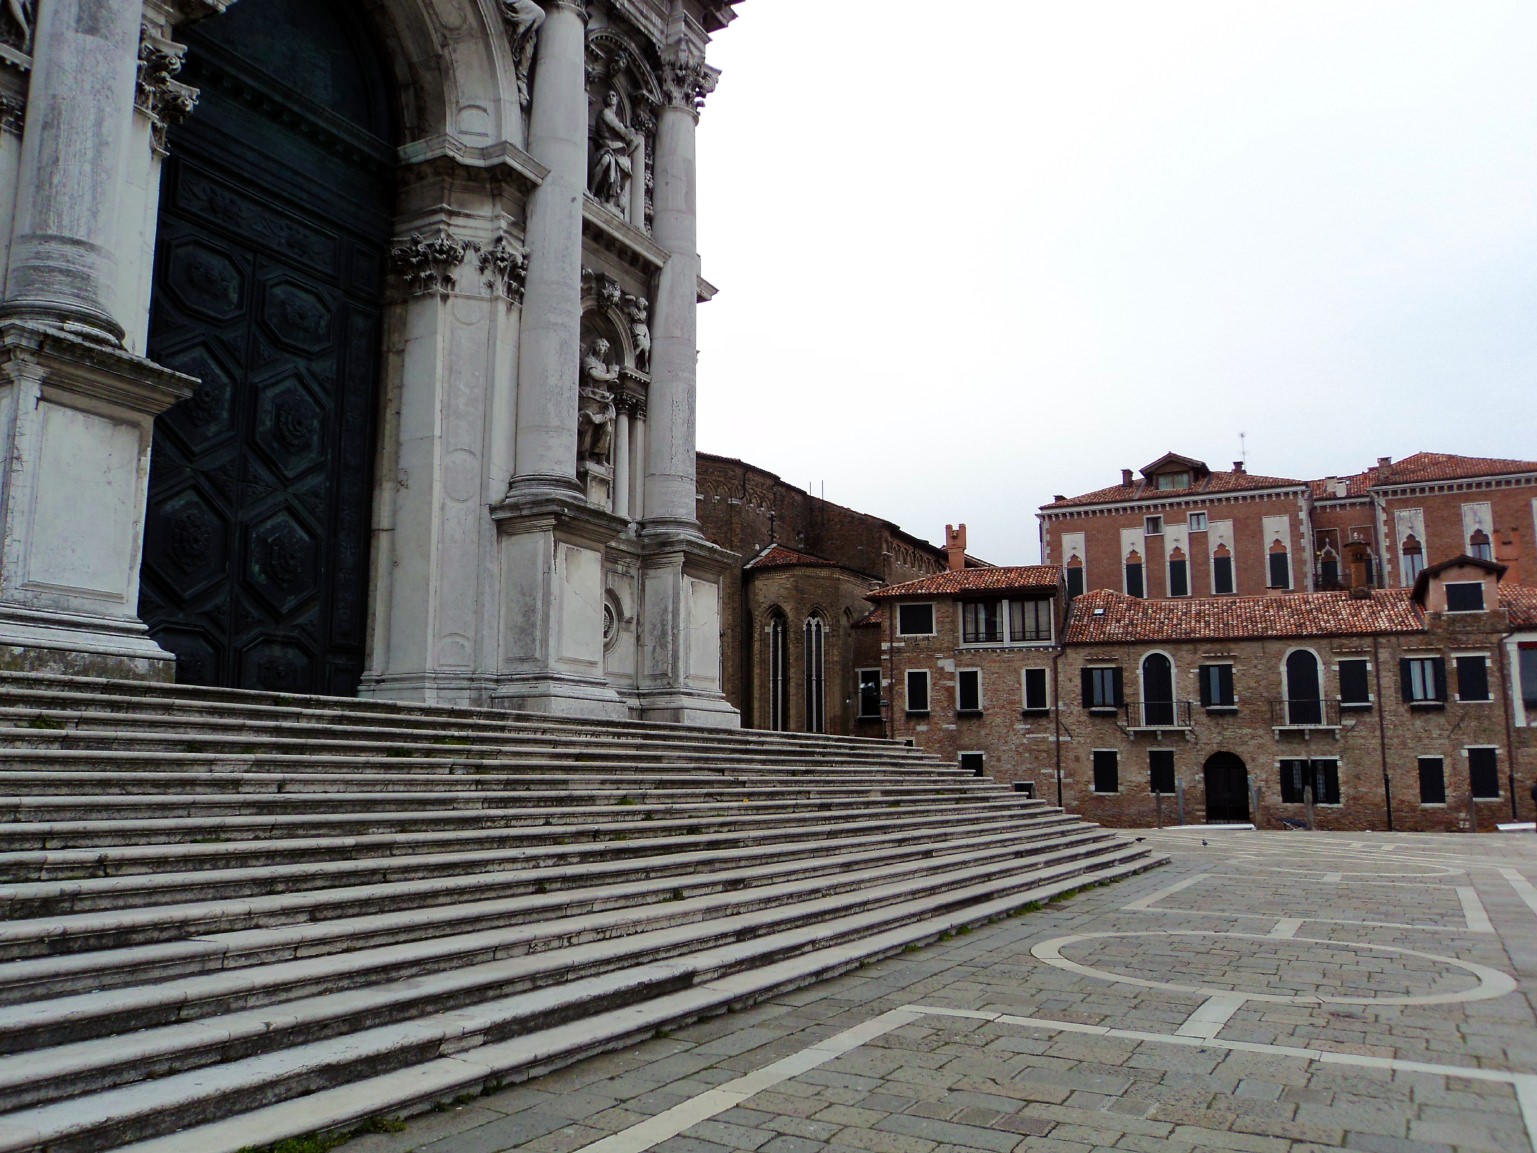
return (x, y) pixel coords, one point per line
(430, 265)
(16, 24)
(524, 19)
(160, 96)
(505, 269)
(687, 80)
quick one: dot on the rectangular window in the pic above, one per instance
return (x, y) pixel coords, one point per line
(1196, 522)
(915, 620)
(1528, 659)
(1030, 620)
(1179, 578)
(1217, 686)
(1152, 526)
(1465, 596)
(1036, 698)
(968, 691)
(869, 693)
(1355, 684)
(973, 763)
(981, 622)
(1472, 678)
(1432, 781)
(1322, 776)
(1484, 773)
(1423, 680)
(1160, 770)
(917, 690)
(1107, 771)
(1134, 586)
(1280, 575)
(1102, 688)
(1222, 574)
(1074, 581)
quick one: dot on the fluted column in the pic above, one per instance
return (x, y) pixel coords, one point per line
(670, 484)
(549, 353)
(79, 119)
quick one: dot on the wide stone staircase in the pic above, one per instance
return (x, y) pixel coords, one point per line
(232, 917)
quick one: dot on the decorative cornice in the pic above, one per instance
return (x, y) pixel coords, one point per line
(430, 265)
(160, 96)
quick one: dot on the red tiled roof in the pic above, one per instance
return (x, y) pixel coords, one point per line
(1520, 601)
(1331, 614)
(1356, 486)
(1144, 490)
(1018, 578)
(1425, 467)
(875, 617)
(777, 556)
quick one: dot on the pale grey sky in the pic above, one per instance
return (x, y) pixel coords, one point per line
(972, 255)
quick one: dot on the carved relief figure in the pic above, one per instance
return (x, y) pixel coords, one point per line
(595, 417)
(524, 18)
(612, 140)
(640, 328)
(17, 27)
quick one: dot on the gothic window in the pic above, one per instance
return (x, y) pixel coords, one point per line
(1304, 699)
(779, 672)
(1222, 570)
(1074, 576)
(1179, 574)
(1134, 583)
(1280, 566)
(1414, 558)
(1480, 546)
(816, 675)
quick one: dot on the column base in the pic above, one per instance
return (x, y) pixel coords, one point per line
(559, 696)
(456, 690)
(701, 710)
(37, 641)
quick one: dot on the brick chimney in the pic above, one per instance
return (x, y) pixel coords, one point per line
(1238, 466)
(955, 546)
(1126, 478)
(1507, 551)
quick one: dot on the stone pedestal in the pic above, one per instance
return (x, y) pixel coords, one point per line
(552, 591)
(680, 644)
(75, 433)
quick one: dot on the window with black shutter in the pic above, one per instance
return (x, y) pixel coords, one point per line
(1036, 700)
(1484, 773)
(1465, 597)
(1355, 684)
(1107, 771)
(1221, 574)
(1134, 586)
(1472, 678)
(1102, 688)
(1179, 579)
(1160, 770)
(1432, 781)
(1423, 680)
(1280, 570)
(1216, 686)
(968, 691)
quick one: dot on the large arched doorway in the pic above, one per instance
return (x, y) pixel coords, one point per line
(1157, 691)
(1304, 698)
(1227, 789)
(275, 220)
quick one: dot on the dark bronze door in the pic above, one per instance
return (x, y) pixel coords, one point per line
(1227, 790)
(274, 225)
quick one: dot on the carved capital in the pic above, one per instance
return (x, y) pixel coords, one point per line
(430, 264)
(160, 96)
(603, 287)
(504, 269)
(687, 80)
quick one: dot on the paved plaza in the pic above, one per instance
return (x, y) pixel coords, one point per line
(1266, 992)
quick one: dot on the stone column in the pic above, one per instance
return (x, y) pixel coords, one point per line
(670, 485)
(549, 351)
(79, 121)
(622, 465)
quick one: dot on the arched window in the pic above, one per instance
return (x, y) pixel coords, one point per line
(1280, 566)
(1179, 573)
(1328, 568)
(779, 672)
(1222, 570)
(1414, 558)
(1304, 698)
(1480, 546)
(1074, 576)
(816, 674)
(1134, 583)
(1157, 691)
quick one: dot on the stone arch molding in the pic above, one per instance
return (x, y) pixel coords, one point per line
(452, 62)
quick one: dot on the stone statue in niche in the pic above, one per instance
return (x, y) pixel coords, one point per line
(612, 140)
(16, 28)
(524, 19)
(595, 416)
(639, 309)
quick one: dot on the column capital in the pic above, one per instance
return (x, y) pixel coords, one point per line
(687, 80)
(579, 7)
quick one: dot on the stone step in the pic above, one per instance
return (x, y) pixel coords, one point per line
(468, 1016)
(203, 937)
(60, 851)
(524, 874)
(78, 895)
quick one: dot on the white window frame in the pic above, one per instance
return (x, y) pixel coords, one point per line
(1483, 600)
(1094, 783)
(1195, 521)
(981, 753)
(1024, 690)
(907, 692)
(1452, 659)
(933, 619)
(1499, 785)
(972, 672)
(1152, 524)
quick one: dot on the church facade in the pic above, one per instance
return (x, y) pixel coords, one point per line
(349, 348)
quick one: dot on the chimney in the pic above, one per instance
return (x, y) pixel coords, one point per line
(955, 547)
(1058, 498)
(1238, 466)
(1507, 551)
(1126, 478)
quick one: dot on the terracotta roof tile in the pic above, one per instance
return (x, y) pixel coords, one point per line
(1018, 578)
(1520, 601)
(1144, 490)
(1331, 614)
(777, 556)
(1424, 467)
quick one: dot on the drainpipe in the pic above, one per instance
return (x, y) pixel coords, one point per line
(1382, 730)
(1056, 714)
(1507, 706)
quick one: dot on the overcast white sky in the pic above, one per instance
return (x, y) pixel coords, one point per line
(975, 254)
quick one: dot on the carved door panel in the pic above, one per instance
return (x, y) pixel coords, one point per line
(267, 289)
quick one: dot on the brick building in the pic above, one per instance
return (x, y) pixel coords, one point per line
(1181, 529)
(790, 619)
(1411, 709)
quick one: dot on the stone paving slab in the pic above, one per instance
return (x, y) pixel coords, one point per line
(1266, 993)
